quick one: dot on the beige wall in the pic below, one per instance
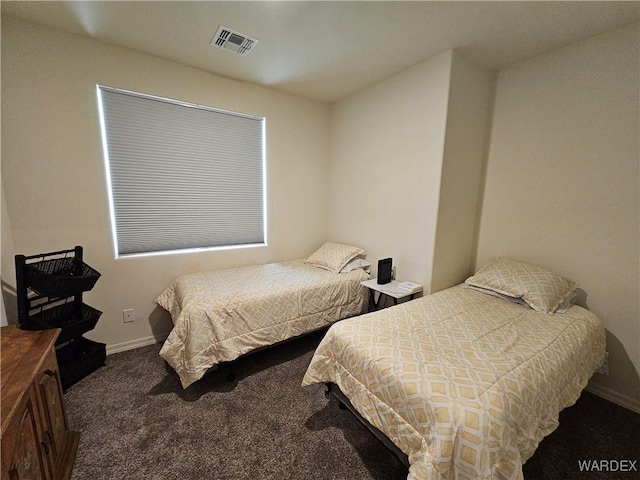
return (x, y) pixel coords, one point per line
(8, 272)
(468, 119)
(54, 180)
(387, 143)
(406, 168)
(562, 185)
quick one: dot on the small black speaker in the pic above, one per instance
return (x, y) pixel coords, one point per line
(384, 271)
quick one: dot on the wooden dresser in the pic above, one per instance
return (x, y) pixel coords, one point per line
(36, 441)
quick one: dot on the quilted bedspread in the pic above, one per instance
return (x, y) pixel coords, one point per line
(221, 315)
(465, 384)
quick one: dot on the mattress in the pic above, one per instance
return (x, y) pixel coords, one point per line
(221, 315)
(464, 383)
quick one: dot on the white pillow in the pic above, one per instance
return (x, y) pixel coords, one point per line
(356, 263)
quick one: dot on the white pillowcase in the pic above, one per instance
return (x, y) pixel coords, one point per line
(357, 263)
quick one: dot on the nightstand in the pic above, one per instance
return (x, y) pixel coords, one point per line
(388, 289)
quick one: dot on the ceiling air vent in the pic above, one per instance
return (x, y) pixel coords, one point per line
(235, 42)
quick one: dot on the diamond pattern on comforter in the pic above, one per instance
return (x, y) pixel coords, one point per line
(465, 384)
(221, 315)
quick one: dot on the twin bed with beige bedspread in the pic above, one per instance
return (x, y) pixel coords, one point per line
(464, 383)
(220, 315)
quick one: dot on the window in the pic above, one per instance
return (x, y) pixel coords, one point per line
(181, 176)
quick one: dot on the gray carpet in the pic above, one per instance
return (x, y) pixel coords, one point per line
(138, 423)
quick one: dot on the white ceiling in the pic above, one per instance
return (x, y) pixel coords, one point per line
(326, 50)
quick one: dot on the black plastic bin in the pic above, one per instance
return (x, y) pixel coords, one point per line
(79, 358)
(61, 277)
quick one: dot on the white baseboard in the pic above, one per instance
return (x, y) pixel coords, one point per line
(615, 397)
(133, 344)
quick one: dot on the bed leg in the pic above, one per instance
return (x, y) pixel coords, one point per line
(327, 392)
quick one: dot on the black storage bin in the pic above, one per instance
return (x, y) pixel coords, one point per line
(61, 277)
(79, 358)
(49, 289)
(73, 319)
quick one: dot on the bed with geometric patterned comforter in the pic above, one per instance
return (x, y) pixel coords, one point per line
(221, 315)
(465, 384)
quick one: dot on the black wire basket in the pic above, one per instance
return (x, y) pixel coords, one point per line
(73, 319)
(61, 277)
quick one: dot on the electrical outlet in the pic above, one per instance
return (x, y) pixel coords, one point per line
(127, 315)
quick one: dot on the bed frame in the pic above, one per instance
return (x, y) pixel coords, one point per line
(333, 389)
(231, 375)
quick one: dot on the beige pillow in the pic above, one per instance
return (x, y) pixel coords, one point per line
(540, 289)
(333, 256)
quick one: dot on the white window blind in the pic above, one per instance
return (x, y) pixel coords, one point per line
(181, 176)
